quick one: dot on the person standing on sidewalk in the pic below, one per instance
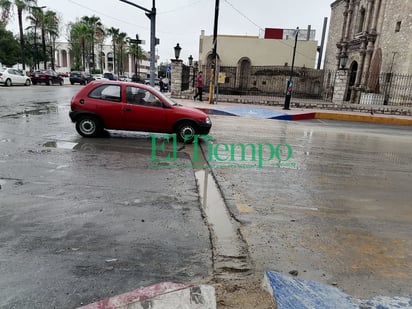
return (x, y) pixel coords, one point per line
(199, 85)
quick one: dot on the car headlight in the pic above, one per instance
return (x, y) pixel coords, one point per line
(208, 121)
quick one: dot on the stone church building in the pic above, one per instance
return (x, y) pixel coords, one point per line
(370, 49)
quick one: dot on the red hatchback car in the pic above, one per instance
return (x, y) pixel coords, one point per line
(116, 105)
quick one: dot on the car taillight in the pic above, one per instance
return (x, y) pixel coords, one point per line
(1, 74)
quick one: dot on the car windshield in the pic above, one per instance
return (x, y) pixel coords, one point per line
(165, 98)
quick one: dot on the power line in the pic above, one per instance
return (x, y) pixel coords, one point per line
(261, 28)
(237, 10)
(179, 8)
(108, 16)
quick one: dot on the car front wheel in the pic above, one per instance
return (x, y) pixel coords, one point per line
(8, 82)
(50, 82)
(89, 126)
(186, 132)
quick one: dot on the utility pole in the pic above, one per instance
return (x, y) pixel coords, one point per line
(151, 14)
(213, 74)
(290, 81)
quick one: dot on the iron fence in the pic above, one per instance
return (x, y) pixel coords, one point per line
(259, 83)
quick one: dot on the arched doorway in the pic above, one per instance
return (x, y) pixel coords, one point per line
(244, 65)
(63, 63)
(352, 79)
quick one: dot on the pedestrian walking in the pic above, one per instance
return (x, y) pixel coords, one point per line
(199, 86)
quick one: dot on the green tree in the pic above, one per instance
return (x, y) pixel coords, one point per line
(137, 53)
(35, 19)
(51, 28)
(48, 22)
(22, 6)
(78, 37)
(9, 48)
(121, 43)
(96, 28)
(114, 33)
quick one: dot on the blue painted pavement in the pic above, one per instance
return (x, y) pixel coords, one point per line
(294, 293)
(247, 111)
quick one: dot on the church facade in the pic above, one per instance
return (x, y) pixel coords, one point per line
(370, 48)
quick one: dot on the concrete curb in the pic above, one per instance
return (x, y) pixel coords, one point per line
(363, 118)
(295, 115)
(165, 295)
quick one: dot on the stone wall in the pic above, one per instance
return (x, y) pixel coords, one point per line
(176, 77)
(399, 42)
(334, 35)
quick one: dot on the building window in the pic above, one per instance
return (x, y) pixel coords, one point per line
(398, 26)
(361, 19)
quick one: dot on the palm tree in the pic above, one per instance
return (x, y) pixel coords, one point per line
(22, 5)
(137, 52)
(114, 33)
(78, 38)
(35, 19)
(51, 27)
(100, 36)
(121, 42)
(95, 27)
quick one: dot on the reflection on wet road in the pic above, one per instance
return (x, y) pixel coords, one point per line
(342, 217)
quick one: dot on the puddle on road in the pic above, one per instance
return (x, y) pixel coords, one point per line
(230, 251)
(60, 144)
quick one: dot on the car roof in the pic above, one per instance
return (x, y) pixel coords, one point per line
(121, 82)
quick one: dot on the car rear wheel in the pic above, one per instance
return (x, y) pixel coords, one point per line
(186, 132)
(8, 82)
(89, 126)
(61, 83)
(27, 83)
(50, 82)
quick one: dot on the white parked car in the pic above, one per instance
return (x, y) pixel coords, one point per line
(9, 77)
(99, 77)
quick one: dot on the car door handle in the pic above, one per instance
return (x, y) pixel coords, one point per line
(127, 109)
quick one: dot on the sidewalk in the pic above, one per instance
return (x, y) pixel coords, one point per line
(294, 114)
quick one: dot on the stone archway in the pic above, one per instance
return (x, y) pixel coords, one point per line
(243, 68)
(63, 63)
(351, 81)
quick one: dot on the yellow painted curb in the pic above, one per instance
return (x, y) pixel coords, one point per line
(363, 118)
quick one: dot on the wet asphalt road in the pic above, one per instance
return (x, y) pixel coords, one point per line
(341, 216)
(84, 219)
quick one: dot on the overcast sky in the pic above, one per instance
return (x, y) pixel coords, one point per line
(180, 21)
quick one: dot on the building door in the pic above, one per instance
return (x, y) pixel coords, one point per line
(244, 74)
(352, 79)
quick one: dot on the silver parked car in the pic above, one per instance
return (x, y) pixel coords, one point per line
(9, 77)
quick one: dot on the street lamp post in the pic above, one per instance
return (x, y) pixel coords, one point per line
(177, 49)
(290, 81)
(151, 14)
(195, 67)
(191, 68)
